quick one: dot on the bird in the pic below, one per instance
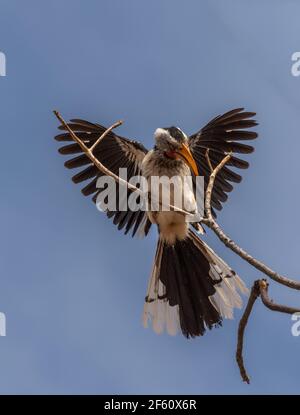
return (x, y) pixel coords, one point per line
(191, 289)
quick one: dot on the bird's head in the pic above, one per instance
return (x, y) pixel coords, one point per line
(174, 144)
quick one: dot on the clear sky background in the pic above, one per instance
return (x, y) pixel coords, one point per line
(72, 287)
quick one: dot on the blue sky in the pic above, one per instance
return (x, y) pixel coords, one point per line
(71, 286)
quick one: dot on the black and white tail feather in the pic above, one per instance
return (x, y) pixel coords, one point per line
(190, 288)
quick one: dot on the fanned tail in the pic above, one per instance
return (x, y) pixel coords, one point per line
(190, 289)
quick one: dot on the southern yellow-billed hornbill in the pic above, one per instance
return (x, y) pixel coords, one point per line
(190, 287)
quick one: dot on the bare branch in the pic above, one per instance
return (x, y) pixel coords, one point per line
(115, 125)
(91, 156)
(259, 288)
(214, 226)
(210, 186)
(263, 288)
(208, 160)
(241, 330)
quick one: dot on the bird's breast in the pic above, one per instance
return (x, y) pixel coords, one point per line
(169, 183)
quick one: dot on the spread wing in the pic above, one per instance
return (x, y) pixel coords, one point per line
(113, 152)
(221, 136)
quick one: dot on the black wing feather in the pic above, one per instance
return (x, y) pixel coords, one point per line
(113, 152)
(221, 136)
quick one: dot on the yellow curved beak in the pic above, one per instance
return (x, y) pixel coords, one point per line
(185, 154)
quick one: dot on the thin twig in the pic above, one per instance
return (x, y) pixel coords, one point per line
(91, 156)
(212, 224)
(259, 288)
(210, 186)
(263, 288)
(115, 125)
(208, 160)
(241, 330)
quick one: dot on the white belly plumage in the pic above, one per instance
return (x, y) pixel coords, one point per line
(172, 225)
